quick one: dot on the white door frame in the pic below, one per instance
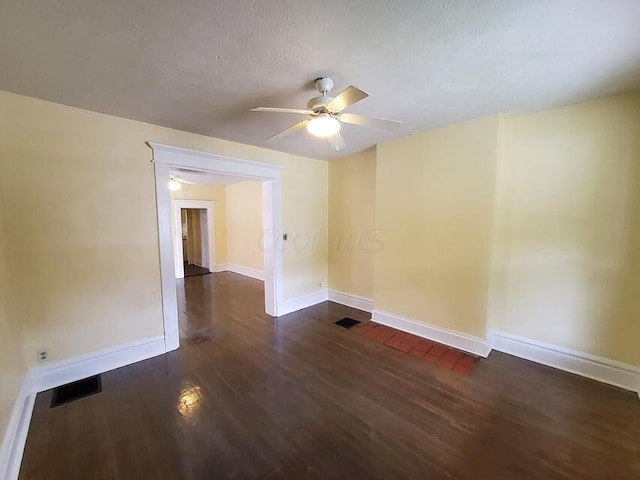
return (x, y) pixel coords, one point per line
(210, 260)
(166, 157)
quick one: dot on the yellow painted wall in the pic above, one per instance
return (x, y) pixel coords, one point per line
(82, 248)
(12, 364)
(353, 237)
(434, 205)
(215, 193)
(305, 208)
(244, 225)
(568, 245)
(529, 225)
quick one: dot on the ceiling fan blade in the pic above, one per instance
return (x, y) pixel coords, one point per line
(369, 121)
(281, 110)
(289, 130)
(336, 141)
(346, 98)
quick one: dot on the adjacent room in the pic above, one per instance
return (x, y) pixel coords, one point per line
(231, 218)
(338, 240)
(195, 238)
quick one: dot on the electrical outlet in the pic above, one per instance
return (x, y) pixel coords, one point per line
(320, 284)
(42, 356)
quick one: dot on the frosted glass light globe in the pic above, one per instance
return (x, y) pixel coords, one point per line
(323, 125)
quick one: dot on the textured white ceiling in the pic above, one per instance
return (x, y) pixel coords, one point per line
(199, 65)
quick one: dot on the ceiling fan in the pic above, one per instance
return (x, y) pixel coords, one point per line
(175, 181)
(326, 114)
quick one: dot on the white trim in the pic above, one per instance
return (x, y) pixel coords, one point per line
(246, 271)
(177, 206)
(166, 157)
(304, 301)
(241, 270)
(461, 341)
(15, 436)
(351, 300)
(59, 373)
(167, 259)
(591, 366)
(199, 160)
(272, 246)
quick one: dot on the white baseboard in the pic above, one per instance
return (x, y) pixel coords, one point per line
(591, 366)
(45, 377)
(351, 300)
(294, 304)
(460, 341)
(59, 373)
(15, 436)
(220, 267)
(246, 271)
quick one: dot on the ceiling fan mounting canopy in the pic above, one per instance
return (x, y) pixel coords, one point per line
(324, 85)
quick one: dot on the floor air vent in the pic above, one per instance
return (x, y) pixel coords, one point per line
(73, 391)
(347, 322)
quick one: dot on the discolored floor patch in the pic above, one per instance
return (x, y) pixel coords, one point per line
(418, 347)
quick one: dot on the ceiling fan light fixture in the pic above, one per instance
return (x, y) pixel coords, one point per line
(174, 185)
(323, 125)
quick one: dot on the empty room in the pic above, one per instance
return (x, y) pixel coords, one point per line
(327, 240)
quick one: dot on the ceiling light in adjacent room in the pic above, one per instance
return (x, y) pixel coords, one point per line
(174, 185)
(323, 125)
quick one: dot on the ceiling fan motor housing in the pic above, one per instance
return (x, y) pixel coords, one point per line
(319, 103)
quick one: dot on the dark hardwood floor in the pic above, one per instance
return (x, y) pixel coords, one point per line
(251, 397)
(191, 270)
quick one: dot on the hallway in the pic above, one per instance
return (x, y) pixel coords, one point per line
(252, 397)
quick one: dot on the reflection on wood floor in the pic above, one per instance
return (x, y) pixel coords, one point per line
(252, 397)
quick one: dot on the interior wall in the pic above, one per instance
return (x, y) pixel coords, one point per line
(12, 364)
(216, 194)
(538, 238)
(434, 204)
(80, 208)
(244, 224)
(305, 208)
(568, 251)
(353, 237)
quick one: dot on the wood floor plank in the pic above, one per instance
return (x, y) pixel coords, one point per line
(249, 396)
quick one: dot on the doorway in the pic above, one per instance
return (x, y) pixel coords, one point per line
(194, 241)
(167, 158)
(194, 237)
